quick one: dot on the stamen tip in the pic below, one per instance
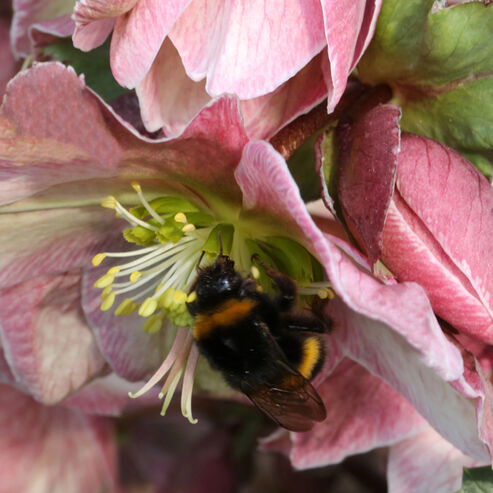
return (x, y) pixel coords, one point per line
(255, 272)
(136, 186)
(187, 228)
(97, 259)
(180, 218)
(109, 202)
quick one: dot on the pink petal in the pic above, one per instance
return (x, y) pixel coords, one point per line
(363, 413)
(426, 463)
(95, 19)
(132, 353)
(138, 36)
(30, 12)
(368, 152)
(440, 232)
(349, 26)
(52, 241)
(6, 375)
(47, 342)
(378, 326)
(248, 48)
(53, 449)
(265, 115)
(168, 97)
(49, 31)
(7, 61)
(47, 119)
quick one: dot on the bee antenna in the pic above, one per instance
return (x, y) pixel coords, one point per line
(220, 243)
(200, 260)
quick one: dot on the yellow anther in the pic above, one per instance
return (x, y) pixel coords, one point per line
(166, 298)
(135, 276)
(108, 302)
(180, 297)
(106, 291)
(97, 259)
(326, 293)
(126, 307)
(104, 281)
(114, 270)
(148, 307)
(255, 272)
(187, 228)
(153, 324)
(191, 297)
(180, 218)
(109, 202)
(136, 186)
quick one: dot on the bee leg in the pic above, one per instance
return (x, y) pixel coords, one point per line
(303, 322)
(286, 285)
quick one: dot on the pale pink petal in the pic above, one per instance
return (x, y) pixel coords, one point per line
(46, 122)
(426, 463)
(248, 48)
(349, 26)
(439, 233)
(52, 449)
(108, 396)
(168, 97)
(30, 12)
(379, 326)
(132, 353)
(265, 115)
(47, 342)
(138, 36)
(363, 413)
(52, 240)
(94, 20)
(49, 31)
(7, 61)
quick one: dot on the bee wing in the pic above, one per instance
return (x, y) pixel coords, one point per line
(292, 403)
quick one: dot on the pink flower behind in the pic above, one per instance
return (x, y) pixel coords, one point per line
(253, 49)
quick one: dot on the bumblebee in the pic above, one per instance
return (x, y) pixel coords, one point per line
(261, 346)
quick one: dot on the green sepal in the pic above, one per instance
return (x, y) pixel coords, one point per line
(439, 63)
(165, 205)
(199, 219)
(139, 235)
(94, 65)
(477, 480)
(212, 246)
(330, 162)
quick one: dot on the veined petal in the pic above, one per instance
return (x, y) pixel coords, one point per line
(248, 48)
(426, 463)
(49, 347)
(349, 26)
(53, 449)
(363, 413)
(138, 36)
(454, 213)
(7, 61)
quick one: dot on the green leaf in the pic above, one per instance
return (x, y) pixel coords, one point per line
(95, 66)
(439, 65)
(477, 480)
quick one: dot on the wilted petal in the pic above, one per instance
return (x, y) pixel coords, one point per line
(248, 48)
(426, 463)
(363, 413)
(138, 36)
(53, 449)
(51, 30)
(47, 342)
(349, 26)
(439, 233)
(378, 326)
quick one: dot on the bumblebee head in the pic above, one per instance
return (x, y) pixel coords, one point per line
(215, 284)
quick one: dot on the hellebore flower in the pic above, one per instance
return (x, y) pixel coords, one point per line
(431, 219)
(280, 58)
(63, 151)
